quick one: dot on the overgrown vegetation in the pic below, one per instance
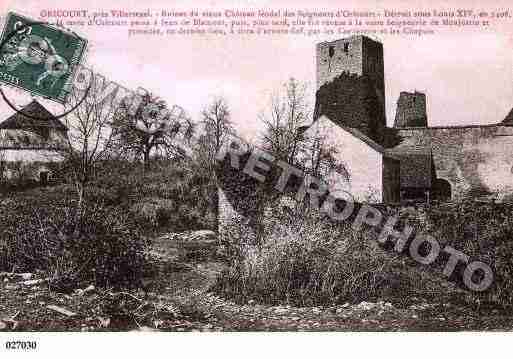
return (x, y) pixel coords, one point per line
(307, 260)
(42, 231)
(104, 247)
(174, 196)
(304, 259)
(484, 232)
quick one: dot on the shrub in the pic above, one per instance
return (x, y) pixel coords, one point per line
(104, 246)
(483, 231)
(153, 196)
(153, 212)
(309, 261)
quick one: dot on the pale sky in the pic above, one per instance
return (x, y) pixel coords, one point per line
(467, 76)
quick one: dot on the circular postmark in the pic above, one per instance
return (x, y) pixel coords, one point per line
(24, 47)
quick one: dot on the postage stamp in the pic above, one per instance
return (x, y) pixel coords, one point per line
(38, 57)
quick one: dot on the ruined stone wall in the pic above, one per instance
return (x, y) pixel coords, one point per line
(228, 219)
(475, 160)
(351, 101)
(336, 57)
(243, 200)
(351, 80)
(391, 180)
(411, 110)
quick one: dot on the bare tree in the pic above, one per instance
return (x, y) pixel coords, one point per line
(216, 123)
(284, 121)
(319, 156)
(151, 130)
(89, 135)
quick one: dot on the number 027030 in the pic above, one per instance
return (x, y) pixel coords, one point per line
(20, 345)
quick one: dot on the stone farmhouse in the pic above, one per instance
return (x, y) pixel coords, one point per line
(29, 146)
(411, 160)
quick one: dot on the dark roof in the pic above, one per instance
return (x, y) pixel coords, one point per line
(416, 169)
(509, 118)
(44, 119)
(369, 141)
(362, 137)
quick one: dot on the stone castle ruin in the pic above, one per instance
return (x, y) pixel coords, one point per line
(443, 162)
(409, 161)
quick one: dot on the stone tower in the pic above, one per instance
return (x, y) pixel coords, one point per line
(361, 59)
(411, 110)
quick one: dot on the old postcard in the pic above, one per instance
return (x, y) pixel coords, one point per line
(254, 166)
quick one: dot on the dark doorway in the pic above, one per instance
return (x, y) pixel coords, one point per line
(43, 178)
(442, 190)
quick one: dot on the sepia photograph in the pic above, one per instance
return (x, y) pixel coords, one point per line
(343, 170)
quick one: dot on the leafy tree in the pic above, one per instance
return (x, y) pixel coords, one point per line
(151, 130)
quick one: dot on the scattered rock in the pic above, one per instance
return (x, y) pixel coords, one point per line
(197, 244)
(280, 310)
(423, 306)
(202, 234)
(89, 289)
(33, 282)
(61, 310)
(104, 322)
(365, 306)
(26, 276)
(81, 292)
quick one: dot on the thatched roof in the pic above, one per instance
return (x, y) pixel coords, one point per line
(44, 119)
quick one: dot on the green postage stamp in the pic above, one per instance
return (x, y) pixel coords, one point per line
(39, 57)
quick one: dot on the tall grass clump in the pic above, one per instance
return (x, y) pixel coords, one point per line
(307, 260)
